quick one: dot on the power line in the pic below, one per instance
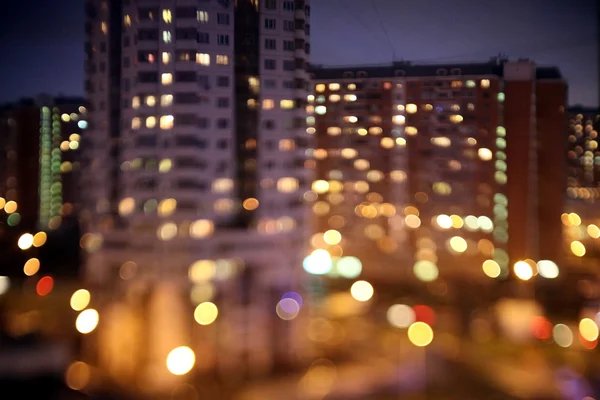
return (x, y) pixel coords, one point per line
(384, 30)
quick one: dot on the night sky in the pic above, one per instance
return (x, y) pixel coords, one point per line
(41, 41)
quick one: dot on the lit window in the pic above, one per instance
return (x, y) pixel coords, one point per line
(334, 98)
(136, 123)
(310, 121)
(166, 79)
(223, 206)
(411, 130)
(127, 20)
(485, 83)
(456, 118)
(351, 86)
(361, 165)
(310, 98)
(222, 185)
(166, 100)
(202, 16)
(501, 143)
(166, 36)
(351, 119)
(287, 185)
(442, 188)
(320, 88)
(334, 86)
(321, 110)
(166, 122)
(287, 145)
(441, 141)
(501, 131)
(310, 109)
(334, 130)
(167, 17)
(401, 142)
(150, 101)
(455, 107)
(166, 57)
(399, 119)
(286, 104)
(104, 27)
(470, 106)
(165, 165)
(501, 97)
(203, 59)
(350, 97)
(457, 84)
(470, 84)
(411, 108)
(150, 122)
(268, 104)
(222, 60)
(484, 154)
(375, 130)
(376, 119)
(387, 143)
(471, 141)
(135, 102)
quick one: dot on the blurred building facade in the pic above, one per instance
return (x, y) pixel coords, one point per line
(39, 141)
(193, 177)
(461, 164)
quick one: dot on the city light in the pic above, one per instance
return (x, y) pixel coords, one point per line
(87, 321)
(206, 313)
(523, 270)
(181, 360)
(31, 267)
(25, 241)
(361, 291)
(4, 284)
(420, 334)
(80, 299)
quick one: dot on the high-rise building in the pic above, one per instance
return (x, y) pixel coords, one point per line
(194, 176)
(457, 166)
(583, 154)
(39, 141)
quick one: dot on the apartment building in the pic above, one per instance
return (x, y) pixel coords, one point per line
(194, 179)
(457, 166)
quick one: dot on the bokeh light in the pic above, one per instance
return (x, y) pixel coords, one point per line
(548, 269)
(31, 267)
(400, 315)
(287, 309)
(80, 299)
(420, 334)
(588, 329)
(318, 262)
(349, 267)
(523, 270)
(426, 271)
(25, 241)
(458, 244)
(206, 313)
(362, 290)
(44, 286)
(562, 335)
(181, 360)
(78, 375)
(332, 237)
(424, 313)
(39, 239)
(444, 221)
(295, 296)
(87, 321)
(10, 207)
(491, 268)
(577, 248)
(4, 284)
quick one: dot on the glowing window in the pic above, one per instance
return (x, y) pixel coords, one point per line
(470, 84)
(166, 57)
(411, 130)
(411, 108)
(485, 83)
(166, 100)
(484, 154)
(166, 35)
(135, 102)
(150, 101)
(203, 59)
(351, 86)
(127, 20)
(222, 185)
(399, 119)
(150, 122)
(456, 118)
(441, 141)
(334, 86)
(334, 130)
(202, 16)
(351, 119)
(166, 79)
(222, 59)
(167, 16)
(287, 185)
(501, 97)
(104, 28)
(501, 143)
(501, 131)
(165, 165)
(287, 145)
(320, 88)
(334, 98)
(166, 122)
(350, 97)
(375, 130)
(268, 104)
(136, 123)
(286, 104)
(320, 110)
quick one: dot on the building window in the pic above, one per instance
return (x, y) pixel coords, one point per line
(268, 104)
(166, 100)
(270, 64)
(271, 4)
(269, 23)
(150, 122)
(166, 57)
(202, 16)
(223, 81)
(203, 37)
(222, 123)
(166, 79)
(270, 44)
(289, 65)
(288, 45)
(286, 104)
(223, 40)
(167, 17)
(166, 36)
(288, 5)
(288, 85)
(288, 26)
(203, 59)
(166, 122)
(104, 28)
(135, 102)
(222, 59)
(127, 20)
(136, 123)
(270, 83)
(485, 83)
(223, 102)
(222, 19)
(150, 101)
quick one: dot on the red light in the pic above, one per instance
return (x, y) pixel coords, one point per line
(541, 328)
(424, 314)
(44, 286)
(587, 344)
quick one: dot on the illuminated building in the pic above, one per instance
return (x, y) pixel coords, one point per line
(195, 163)
(466, 159)
(583, 154)
(39, 140)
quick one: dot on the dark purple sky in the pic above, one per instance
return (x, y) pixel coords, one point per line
(41, 41)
